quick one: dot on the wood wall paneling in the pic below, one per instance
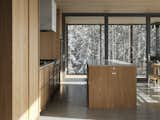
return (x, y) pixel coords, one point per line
(34, 59)
(5, 59)
(19, 59)
(109, 6)
(20, 44)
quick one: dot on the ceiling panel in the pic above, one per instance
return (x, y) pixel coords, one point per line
(111, 20)
(110, 6)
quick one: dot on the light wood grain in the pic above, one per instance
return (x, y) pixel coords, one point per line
(112, 87)
(46, 76)
(34, 59)
(109, 6)
(19, 50)
(46, 45)
(20, 61)
(50, 41)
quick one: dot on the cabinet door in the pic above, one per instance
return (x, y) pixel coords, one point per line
(51, 71)
(41, 85)
(97, 87)
(46, 75)
(45, 16)
(127, 89)
(48, 92)
(41, 78)
(115, 86)
(42, 98)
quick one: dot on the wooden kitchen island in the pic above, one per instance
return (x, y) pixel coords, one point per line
(112, 85)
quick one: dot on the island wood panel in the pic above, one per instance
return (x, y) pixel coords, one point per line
(34, 33)
(112, 88)
(5, 60)
(20, 45)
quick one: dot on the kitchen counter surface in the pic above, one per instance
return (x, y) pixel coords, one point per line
(46, 63)
(113, 63)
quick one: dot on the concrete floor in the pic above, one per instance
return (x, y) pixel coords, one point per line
(70, 103)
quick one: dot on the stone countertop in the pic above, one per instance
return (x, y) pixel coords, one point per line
(113, 63)
(46, 64)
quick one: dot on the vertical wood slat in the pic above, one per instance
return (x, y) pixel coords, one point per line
(5, 59)
(20, 60)
(33, 59)
(19, 52)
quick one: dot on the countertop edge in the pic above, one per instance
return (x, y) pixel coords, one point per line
(44, 66)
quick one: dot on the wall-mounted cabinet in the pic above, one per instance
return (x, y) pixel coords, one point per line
(48, 15)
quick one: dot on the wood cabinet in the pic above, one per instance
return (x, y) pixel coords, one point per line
(112, 86)
(48, 82)
(46, 76)
(19, 37)
(47, 45)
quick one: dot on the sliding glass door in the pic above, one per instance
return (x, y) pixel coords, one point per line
(155, 39)
(127, 41)
(139, 49)
(119, 42)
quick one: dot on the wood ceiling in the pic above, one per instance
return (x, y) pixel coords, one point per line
(100, 20)
(109, 6)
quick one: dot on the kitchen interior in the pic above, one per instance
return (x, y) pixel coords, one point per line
(109, 86)
(50, 32)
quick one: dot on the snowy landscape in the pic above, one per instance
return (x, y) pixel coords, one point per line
(86, 45)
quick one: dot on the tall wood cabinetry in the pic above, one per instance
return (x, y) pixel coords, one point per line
(48, 82)
(45, 75)
(19, 38)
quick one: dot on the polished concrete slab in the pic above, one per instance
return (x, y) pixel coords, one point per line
(70, 103)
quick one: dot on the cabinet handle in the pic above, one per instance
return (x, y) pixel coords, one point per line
(114, 73)
(113, 68)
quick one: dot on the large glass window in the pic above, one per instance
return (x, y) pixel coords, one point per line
(85, 45)
(139, 49)
(155, 37)
(127, 41)
(119, 42)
